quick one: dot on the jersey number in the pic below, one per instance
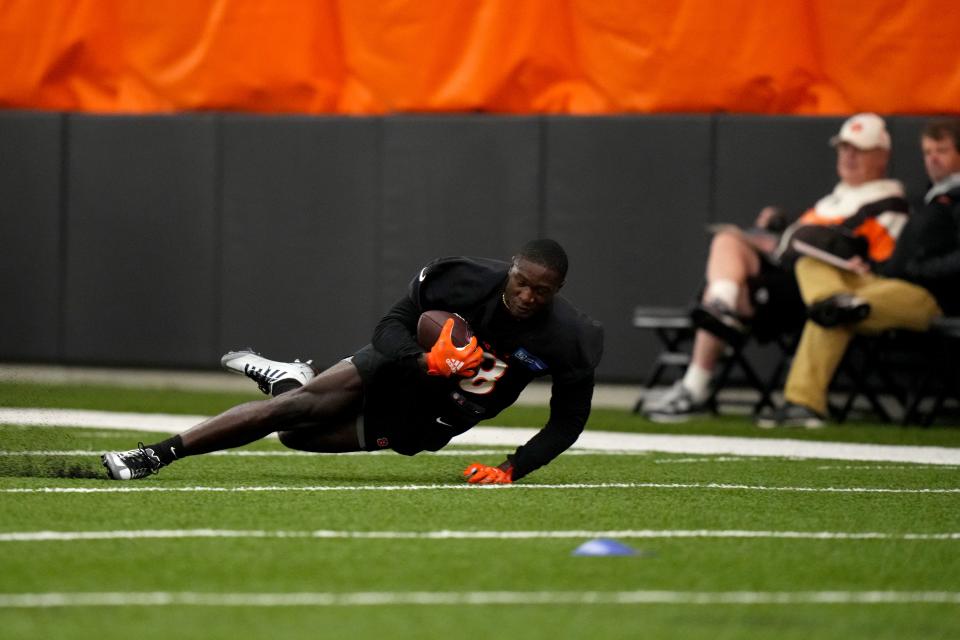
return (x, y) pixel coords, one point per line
(490, 370)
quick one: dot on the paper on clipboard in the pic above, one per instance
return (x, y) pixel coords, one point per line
(808, 249)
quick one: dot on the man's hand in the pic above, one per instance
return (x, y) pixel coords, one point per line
(446, 359)
(772, 219)
(477, 473)
(859, 265)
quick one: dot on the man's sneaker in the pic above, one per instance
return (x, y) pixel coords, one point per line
(676, 405)
(720, 320)
(130, 465)
(792, 415)
(273, 378)
(843, 308)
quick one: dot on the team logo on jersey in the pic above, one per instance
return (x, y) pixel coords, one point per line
(533, 362)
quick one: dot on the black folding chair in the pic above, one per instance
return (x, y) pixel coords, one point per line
(675, 330)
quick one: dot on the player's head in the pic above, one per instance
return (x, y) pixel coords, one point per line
(547, 253)
(940, 143)
(535, 277)
(863, 149)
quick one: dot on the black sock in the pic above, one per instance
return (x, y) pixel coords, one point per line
(169, 450)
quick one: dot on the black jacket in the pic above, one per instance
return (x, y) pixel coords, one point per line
(561, 342)
(928, 251)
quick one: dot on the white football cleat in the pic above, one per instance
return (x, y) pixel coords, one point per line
(272, 377)
(130, 465)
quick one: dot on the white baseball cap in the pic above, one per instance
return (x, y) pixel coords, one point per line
(864, 131)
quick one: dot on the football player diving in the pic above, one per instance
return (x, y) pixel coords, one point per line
(395, 394)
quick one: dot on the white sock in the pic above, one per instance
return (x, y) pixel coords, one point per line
(697, 381)
(726, 291)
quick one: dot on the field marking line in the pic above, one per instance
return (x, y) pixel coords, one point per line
(290, 453)
(503, 436)
(884, 467)
(702, 459)
(466, 598)
(469, 487)
(324, 534)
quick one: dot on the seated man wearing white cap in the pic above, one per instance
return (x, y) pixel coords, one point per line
(750, 275)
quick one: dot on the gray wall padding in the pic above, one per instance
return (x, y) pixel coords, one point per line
(179, 237)
(30, 194)
(764, 161)
(629, 198)
(456, 185)
(141, 241)
(906, 161)
(300, 235)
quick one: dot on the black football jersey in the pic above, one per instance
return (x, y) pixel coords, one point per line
(560, 342)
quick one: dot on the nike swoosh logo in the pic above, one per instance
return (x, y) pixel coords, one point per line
(443, 422)
(423, 274)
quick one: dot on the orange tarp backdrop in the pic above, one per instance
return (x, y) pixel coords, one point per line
(500, 56)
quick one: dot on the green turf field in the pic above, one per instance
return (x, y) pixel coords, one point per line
(257, 543)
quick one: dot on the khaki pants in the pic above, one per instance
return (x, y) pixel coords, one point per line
(894, 304)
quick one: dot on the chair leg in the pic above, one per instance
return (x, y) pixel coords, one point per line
(671, 340)
(859, 375)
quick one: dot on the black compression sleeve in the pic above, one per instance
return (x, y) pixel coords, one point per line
(569, 410)
(395, 335)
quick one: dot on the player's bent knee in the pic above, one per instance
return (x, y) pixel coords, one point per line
(291, 439)
(725, 242)
(299, 440)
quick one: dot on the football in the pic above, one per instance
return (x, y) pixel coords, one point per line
(431, 323)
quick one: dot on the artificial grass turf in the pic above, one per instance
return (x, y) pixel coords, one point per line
(693, 505)
(279, 565)
(541, 622)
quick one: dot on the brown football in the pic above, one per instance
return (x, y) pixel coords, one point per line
(431, 323)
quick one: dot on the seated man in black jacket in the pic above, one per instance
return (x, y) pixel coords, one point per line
(392, 394)
(920, 282)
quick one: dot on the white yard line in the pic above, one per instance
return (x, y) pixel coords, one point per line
(698, 459)
(646, 534)
(501, 436)
(123, 420)
(886, 467)
(467, 598)
(152, 488)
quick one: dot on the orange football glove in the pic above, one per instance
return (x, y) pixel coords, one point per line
(477, 473)
(445, 359)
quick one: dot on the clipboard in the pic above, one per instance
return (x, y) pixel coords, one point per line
(807, 249)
